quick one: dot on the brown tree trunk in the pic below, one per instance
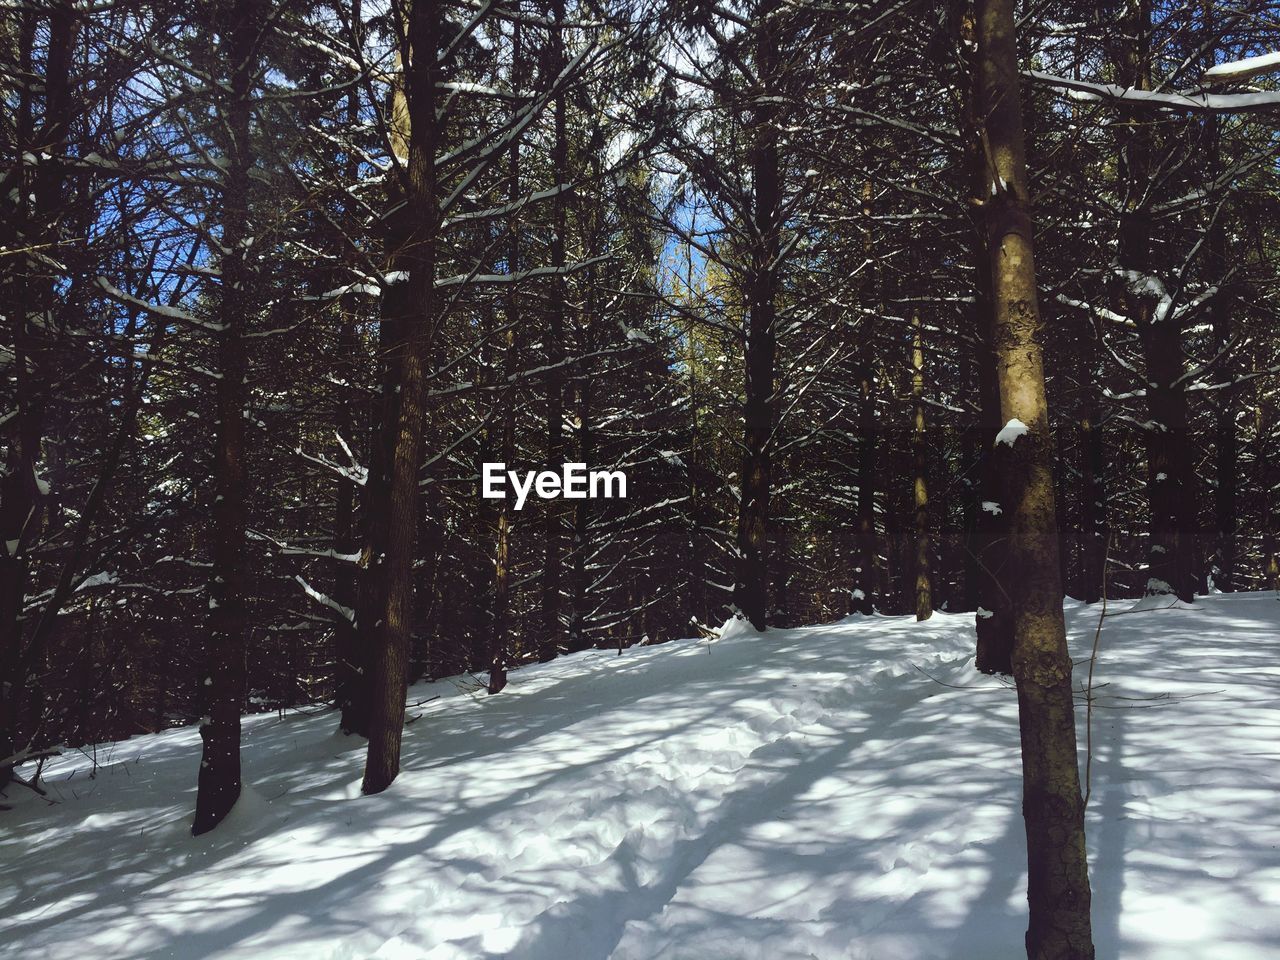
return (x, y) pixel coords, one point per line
(390, 667)
(988, 544)
(1263, 420)
(920, 480)
(553, 532)
(1058, 881)
(751, 582)
(218, 784)
(1170, 484)
(1095, 534)
(348, 673)
(351, 662)
(499, 641)
(1226, 442)
(865, 587)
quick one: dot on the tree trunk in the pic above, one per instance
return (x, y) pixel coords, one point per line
(351, 663)
(920, 480)
(1095, 535)
(499, 641)
(751, 583)
(1058, 882)
(988, 545)
(865, 587)
(1263, 420)
(553, 534)
(1226, 443)
(348, 673)
(1170, 484)
(24, 503)
(218, 784)
(390, 667)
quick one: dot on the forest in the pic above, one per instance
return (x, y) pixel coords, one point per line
(939, 312)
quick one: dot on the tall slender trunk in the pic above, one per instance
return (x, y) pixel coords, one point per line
(696, 568)
(1170, 484)
(866, 574)
(1226, 440)
(218, 784)
(351, 672)
(1264, 418)
(988, 542)
(349, 675)
(579, 574)
(865, 589)
(31, 291)
(553, 533)
(1053, 809)
(751, 582)
(580, 577)
(417, 259)
(1095, 533)
(499, 641)
(920, 480)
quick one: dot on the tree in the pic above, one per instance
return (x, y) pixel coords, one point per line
(1058, 881)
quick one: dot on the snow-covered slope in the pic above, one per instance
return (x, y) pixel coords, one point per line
(846, 791)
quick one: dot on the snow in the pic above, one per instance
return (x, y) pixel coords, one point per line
(843, 791)
(990, 506)
(1243, 69)
(1010, 433)
(1193, 101)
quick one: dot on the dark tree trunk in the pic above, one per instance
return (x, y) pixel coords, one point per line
(867, 560)
(1058, 881)
(862, 597)
(1264, 419)
(553, 521)
(1095, 534)
(920, 482)
(1170, 484)
(499, 641)
(348, 673)
(218, 784)
(351, 661)
(751, 582)
(24, 506)
(1226, 443)
(390, 667)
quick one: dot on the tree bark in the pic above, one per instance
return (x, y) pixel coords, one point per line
(989, 531)
(351, 672)
(920, 480)
(218, 784)
(499, 641)
(1170, 483)
(862, 595)
(416, 258)
(553, 533)
(751, 582)
(1058, 883)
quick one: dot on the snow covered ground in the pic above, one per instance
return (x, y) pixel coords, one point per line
(846, 791)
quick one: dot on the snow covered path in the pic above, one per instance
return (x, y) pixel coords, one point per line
(823, 792)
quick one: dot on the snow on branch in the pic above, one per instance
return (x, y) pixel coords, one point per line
(157, 309)
(1192, 101)
(1243, 69)
(326, 601)
(518, 276)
